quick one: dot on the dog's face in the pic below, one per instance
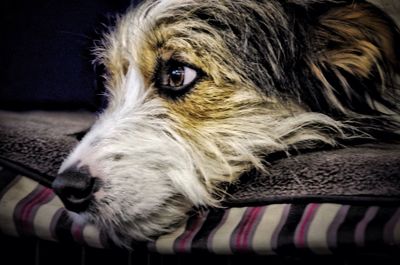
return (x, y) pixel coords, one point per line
(199, 92)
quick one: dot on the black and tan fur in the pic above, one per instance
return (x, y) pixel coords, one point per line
(272, 75)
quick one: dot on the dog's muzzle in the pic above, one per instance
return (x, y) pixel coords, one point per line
(76, 187)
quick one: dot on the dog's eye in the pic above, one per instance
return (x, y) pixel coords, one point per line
(179, 76)
(176, 77)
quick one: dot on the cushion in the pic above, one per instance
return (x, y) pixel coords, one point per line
(320, 202)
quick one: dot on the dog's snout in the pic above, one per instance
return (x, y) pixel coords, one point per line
(75, 187)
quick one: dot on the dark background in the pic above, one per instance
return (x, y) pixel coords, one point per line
(45, 52)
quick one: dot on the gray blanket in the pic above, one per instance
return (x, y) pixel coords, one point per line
(39, 141)
(35, 143)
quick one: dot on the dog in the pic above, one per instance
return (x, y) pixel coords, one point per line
(199, 92)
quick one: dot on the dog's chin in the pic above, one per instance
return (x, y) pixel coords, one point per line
(124, 227)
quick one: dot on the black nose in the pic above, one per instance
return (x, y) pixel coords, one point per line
(75, 187)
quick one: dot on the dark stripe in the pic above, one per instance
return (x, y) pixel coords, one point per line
(346, 232)
(278, 229)
(334, 227)
(201, 239)
(390, 226)
(360, 230)
(149, 245)
(286, 236)
(215, 229)
(63, 226)
(374, 237)
(54, 220)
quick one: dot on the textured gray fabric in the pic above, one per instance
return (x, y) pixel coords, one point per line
(366, 170)
(39, 141)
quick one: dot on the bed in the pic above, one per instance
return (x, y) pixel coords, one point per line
(336, 205)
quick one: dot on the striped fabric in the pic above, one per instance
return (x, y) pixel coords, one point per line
(30, 209)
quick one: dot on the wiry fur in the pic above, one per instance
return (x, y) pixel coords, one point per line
(277, 75)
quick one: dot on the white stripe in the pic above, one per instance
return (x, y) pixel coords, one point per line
(92, 236)
(317, 236)
(43, 218)
(13, 196)
(262, 240)
(165, 243)
(220, 243)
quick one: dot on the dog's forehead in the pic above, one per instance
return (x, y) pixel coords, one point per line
(155, 22)
(206, 27)
(219, 37)
(152, 15)
(159, 29)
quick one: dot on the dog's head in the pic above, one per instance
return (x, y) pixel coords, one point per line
(200, 91)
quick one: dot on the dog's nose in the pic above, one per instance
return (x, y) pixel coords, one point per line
(75, 187)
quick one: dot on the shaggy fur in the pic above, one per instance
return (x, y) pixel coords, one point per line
(269, 76)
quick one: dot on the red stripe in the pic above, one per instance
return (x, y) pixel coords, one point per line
(300, 238)
(38, 200)
(251, 226)
(183, 242)
(183, 239)
(245, 229)
(27, 211)
(21, 226)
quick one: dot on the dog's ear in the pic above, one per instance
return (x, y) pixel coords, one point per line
(355, 58)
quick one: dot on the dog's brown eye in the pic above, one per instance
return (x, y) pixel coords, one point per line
(176, 77)
(179, 76)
